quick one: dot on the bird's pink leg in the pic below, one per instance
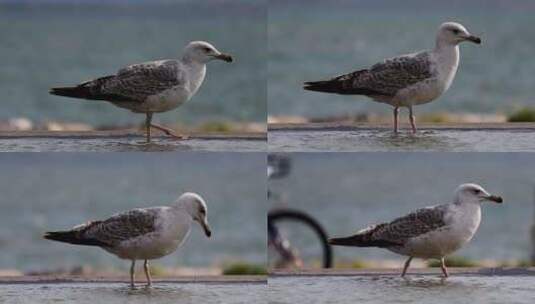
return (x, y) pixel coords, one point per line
(147, 273)
(396, 115)
(443, 266)
(169, 132)
(412, 120)
(132, 274)
(407, 263)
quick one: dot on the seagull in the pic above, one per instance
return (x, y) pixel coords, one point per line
(428, 233)
(406, 80)
(151, 87)
(143, 233)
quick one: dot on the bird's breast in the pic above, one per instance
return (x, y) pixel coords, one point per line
(435, 244)
(420, 93)
(166, 100)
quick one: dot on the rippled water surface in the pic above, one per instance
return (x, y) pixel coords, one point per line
(125, 144)
(393, 289)
(120, 293)
(368, 140)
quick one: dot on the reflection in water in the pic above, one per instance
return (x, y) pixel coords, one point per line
(125, 144)
(393, 289)
(423, 140)
(112, 293)
(158, 145)
(375, 140)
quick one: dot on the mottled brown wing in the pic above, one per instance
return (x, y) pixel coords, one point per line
(382, 79)
(412, 225)
(122, 226)
(139, 81)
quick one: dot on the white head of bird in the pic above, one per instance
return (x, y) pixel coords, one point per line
(203, 52)
(195, 206)
(474, 194)
(452, 33)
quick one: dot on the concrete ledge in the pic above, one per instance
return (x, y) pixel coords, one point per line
(344, 126)
(63, 279)
(127, 133)
(475, 271)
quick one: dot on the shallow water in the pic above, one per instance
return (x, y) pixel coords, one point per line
(393, 289)
(368, 140)
(128, 144)
(121, 293)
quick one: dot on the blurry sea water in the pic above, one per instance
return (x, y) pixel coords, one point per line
(57, 43)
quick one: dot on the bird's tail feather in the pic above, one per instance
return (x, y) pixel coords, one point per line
(327, 86)
(339, 85)
(91, 89)
(356, 240)
(76, 92)
(71, 237)
(363, 238)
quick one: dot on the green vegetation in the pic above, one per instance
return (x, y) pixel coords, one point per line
(524, 263)
(242, 268)
(216, 126)
(359, 264)
(526, 114)
(454, 261)
(435, 117)
(157, 270)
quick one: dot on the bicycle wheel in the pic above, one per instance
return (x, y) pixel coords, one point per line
(303, 236)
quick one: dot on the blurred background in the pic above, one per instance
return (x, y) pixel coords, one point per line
(346, 192)
(55, 191)
(46, 43)
(315, 40)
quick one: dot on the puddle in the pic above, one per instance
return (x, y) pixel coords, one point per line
(393, 289)
(175, 293)
(127, 144)
(447, 140)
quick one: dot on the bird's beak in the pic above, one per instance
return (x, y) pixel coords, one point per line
(473, 39)
(494, 198)
(224, 57)
(206, 228)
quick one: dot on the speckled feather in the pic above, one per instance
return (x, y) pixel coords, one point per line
(409, 226)
(118, 228)
(382, 79)
(137, 82)
(397, 232)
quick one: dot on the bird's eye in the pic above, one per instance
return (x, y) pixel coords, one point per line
(207, 50)
(477, 191)
(455, 31)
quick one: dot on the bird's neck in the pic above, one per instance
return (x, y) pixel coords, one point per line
(196, 71)
(447, 59)
(469, 214)
(447, 52)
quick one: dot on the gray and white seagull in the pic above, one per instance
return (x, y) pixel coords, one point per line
(406, 80)
(151, 87)
(141, 234)
(428, 233)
